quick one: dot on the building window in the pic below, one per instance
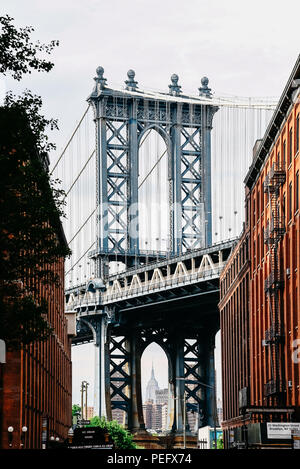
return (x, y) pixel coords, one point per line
(290, 145)
(283, 208)
(290, 201)
(278, 159)
(283, 154)
(297, 192)
(297, 133)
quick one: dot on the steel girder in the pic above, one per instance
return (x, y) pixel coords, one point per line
(121, 121)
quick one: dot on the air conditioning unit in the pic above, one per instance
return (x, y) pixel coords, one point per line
(288, 271)
(264, 343)
(290, 384)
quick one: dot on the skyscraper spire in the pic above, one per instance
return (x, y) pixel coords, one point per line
(152, 386)
(152, 371)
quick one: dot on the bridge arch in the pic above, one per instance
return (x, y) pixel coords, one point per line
(154, 358)
(154, 149)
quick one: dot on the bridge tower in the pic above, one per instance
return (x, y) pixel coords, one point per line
(122, 118)
(121, 331)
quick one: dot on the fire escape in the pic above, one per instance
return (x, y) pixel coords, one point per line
(274, 336)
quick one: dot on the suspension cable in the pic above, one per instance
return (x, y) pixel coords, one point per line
(79, 174)
(80, 258)
(70, 139)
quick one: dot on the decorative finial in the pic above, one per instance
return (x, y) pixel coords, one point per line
(99, 79)
(174, 88)
(131, 84)
(204, 90)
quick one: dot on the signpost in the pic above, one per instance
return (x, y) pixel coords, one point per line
(91, 438)
(82, 423)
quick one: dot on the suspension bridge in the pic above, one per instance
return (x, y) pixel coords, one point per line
(154, 203)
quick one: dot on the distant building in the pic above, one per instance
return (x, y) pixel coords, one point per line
(155, 399)
(152, 387)
(219, 411)
(164, 417)
(161, 396)
(148, 412)
(89, 412)
(153, 415)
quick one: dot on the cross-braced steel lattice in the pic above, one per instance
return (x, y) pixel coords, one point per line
(122, 119)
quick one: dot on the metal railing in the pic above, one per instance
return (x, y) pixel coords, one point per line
(272, 387)
(274, 282)
(98, 298)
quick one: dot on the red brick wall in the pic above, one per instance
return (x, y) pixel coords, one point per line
(37, 381)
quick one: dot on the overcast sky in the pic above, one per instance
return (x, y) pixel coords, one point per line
(246, 48)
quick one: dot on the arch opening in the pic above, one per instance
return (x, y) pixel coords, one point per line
(156, 390)
(153, 192)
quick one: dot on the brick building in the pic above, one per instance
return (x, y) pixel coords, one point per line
(35, 381)
(259, 287)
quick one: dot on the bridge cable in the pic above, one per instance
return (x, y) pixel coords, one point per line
(79, 174)
(70, 139)
(80, 258)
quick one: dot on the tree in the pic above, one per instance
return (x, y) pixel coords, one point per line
(18, 55)
(220, 444)
(31, 204)
(76, 409)
(30, 210)
(121, 437)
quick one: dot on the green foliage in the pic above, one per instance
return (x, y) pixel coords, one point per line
(30, 209)
(31, 204)
(220, 444)
(75, 409)
(18, 55)
(121, 437)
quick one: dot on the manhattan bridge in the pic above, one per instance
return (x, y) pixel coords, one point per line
(154, 203)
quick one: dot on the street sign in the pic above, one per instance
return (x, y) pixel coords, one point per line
(296, 439)
(91, 438)
(83, 422)
(281, 431)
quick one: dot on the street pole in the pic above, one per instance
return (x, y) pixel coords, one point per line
(86, 393)
(213, 387)
(215, 411)
(82, 391)
(184, 421)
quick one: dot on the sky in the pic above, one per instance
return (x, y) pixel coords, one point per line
(246, 48)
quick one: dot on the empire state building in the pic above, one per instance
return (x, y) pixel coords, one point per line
(152, 386)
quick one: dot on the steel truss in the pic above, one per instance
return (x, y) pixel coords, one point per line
(122, 119)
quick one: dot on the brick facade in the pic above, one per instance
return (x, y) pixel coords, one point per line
(36, 381)
(259, 303)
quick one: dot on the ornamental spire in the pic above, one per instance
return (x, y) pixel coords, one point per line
(99, 79)
(174, 88)
(131, 84)
(204, 90)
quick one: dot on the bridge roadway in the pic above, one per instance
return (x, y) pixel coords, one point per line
(172, 302)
